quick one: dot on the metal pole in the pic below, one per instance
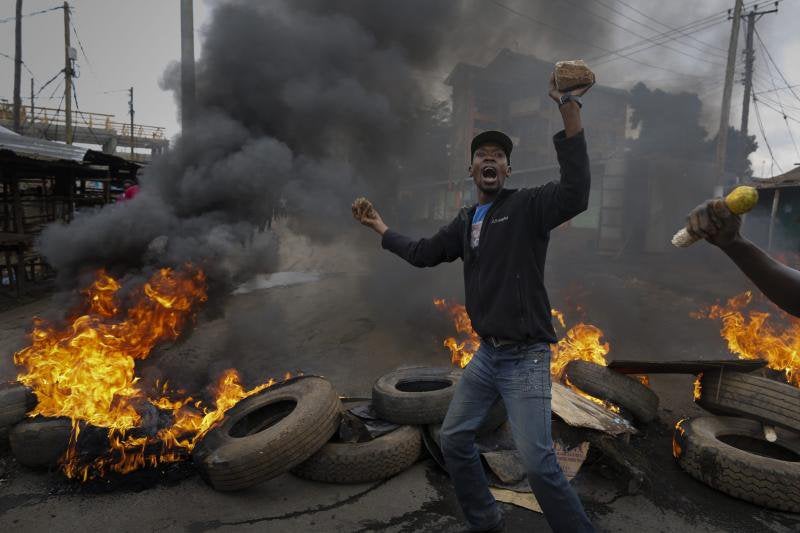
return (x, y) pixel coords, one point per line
(749, 60)
(130, 106)
(749, 56)
(33, 107)
(67, 78)
(722, 135)
(187, 65)
(18, 68)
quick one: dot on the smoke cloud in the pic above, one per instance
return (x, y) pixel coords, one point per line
(313, 103)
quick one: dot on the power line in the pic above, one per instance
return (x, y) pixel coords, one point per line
(80, 44)
(639, 48)
(762, 49)
(766, 50)
(78, 109)
(21, 62)
(781, 105)
(58, 109)
(648, 17)
(11, 19)
(768, 106)
(578, 39)
(649, 39)
(764, 136)
(48, 82)
(695, 26)
(787, 88)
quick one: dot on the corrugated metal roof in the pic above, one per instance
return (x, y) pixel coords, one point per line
(39, 148)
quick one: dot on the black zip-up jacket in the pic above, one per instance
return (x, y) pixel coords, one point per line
(504, 275)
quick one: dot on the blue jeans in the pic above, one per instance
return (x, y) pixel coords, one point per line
(521, 375)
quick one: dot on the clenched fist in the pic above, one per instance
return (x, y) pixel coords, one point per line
(364, 212)
(714, 222)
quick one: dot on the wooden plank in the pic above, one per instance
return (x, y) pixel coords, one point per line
(579, 411)
(685, 367)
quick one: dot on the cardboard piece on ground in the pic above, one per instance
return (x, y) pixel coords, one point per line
(570, 461)
(521, 499)
(507, 464)
(578, 411)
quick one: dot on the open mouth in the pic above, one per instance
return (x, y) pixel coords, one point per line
(489, 172)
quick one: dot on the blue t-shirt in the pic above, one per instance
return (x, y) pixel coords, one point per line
(477, 223)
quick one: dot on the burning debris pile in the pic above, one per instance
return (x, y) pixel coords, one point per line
(85, 371)
(751, 452)
(755, 444)
(754, 336)
(582, 342)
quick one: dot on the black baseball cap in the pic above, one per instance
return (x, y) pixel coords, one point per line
(494, 137)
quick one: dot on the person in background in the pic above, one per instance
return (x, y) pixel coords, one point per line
(129, 190)
(714, 222)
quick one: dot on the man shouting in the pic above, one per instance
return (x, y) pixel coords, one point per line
(503, 243)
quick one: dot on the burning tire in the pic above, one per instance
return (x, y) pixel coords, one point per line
(415, 395)
(269, 433)
(39, 442)
(714, 450)
(15, 400)
(360, 462)
(611, 386)
(738, 394)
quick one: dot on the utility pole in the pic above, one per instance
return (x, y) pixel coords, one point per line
(130, 109)
(18, 69)
(722, 135)
(33, 107)
(187, 66)
(749, 59)
(67, 78)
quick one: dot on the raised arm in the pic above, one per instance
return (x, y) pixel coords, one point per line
(557, 202)
(715, 223)
(445, 246)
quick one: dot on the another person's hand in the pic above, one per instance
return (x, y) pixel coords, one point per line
(364, 212)
(714, 222)
(556, 95)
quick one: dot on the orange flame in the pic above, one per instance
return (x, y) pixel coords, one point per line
(698, 386)
(756, 337)
(582, 341)
(86, 371)
(460, 352)
(677, 451)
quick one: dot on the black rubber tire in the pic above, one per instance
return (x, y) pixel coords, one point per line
(426, 406)
(765, 481)
(39, 442)
(15, 400)
(750, 396)
(611, 386)
(361, 462)
(246, 450)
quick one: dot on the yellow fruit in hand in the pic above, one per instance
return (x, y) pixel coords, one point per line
(741, 199)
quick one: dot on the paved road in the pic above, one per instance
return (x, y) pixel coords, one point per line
(333, 328)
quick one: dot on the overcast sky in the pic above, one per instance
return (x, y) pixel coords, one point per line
(129, 43)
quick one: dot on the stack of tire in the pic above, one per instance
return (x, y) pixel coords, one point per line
(293, 427)
(752, 450)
